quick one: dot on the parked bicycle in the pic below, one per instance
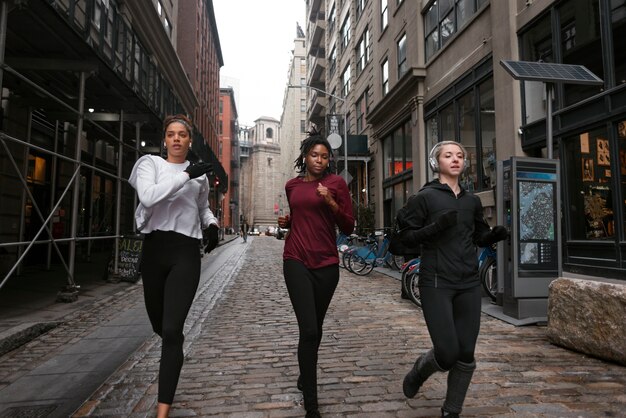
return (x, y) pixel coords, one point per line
(487, 271)
(362, 260)
(410, 280)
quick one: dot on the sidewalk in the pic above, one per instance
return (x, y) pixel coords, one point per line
(242, 363)
(241, 356)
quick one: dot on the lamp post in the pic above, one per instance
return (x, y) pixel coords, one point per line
(345, 124)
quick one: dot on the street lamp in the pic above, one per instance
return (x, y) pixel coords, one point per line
(345, 124)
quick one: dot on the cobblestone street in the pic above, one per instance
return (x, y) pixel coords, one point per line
(243, 360)
(241, 355)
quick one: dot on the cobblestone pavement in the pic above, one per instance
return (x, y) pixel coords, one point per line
(241, 357)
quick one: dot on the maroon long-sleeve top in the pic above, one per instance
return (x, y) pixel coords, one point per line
(312, 239)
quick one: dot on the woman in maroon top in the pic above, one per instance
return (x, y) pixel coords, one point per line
(318, 201)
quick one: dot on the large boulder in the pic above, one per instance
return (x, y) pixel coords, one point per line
(588, 316)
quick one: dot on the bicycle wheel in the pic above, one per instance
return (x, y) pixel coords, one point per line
(412, 286)
(344, 259)
(359, 265)
(397, 261)
(403, 281)
(489, 277)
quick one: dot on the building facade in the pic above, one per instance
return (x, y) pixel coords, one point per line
(229, 157)
(293, 120)
(86, 85)
(201, 56)
(413, 73)
(261, 174)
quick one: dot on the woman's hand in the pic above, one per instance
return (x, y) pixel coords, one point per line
(283, 221)
(328, 198)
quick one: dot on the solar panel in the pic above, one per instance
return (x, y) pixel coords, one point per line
(550, 73)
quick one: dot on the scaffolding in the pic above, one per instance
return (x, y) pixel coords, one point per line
(80, 93)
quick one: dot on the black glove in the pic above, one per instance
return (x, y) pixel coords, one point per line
(212, 238)
(498, 233)
(196, 170)
(446, 220)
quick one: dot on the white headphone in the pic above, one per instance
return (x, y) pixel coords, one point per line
(432, 158)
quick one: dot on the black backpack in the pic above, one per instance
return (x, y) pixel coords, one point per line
(396, 247)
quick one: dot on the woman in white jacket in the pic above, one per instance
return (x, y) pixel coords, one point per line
(173, 211)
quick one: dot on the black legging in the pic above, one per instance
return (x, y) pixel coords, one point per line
(170, 269)
(310, 291)
(453, 321)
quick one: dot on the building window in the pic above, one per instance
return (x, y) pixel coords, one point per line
(302, 126)
(303, 105)
(402, 64)
(469, 118)
(384, 15)
(361, 111)
(443, 19)
(269, 133)
(363, 52)
(397, 160)
(360, 5)
(575, 46)
(103, 16)
(385, 76)
(345, 78)
(331, 20)
(345, 33)
(618, 23)
(332, 61)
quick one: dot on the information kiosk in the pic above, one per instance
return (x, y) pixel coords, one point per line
(528, 204)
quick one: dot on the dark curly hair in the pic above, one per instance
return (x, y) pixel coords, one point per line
(180, 118)
(306, 145)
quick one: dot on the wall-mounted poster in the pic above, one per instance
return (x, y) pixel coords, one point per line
(603, 155)
(584, 143)
(588, 169)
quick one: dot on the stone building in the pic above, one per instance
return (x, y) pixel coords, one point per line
(261, 176)
(412, 73)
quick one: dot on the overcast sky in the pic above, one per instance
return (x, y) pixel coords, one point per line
(256, 37)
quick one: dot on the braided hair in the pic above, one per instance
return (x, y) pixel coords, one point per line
(306, 145)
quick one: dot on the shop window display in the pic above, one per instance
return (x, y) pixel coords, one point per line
(591, 195)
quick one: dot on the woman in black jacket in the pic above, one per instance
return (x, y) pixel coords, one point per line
(449, 226)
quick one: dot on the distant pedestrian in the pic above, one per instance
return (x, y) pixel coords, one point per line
(173, 210)
(318, 201)
(451, 226)
(244, 231)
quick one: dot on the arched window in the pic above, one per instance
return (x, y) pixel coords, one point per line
(269, 133)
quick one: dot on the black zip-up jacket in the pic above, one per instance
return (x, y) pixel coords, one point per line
(449, 257)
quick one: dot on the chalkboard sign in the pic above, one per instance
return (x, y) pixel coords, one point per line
(128, 259)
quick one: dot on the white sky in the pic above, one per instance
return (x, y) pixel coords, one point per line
(256, 37)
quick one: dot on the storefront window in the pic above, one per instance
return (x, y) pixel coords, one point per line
(447, 123)
(589, 182)
(398, 147)
(408, 146)
(580, 44)
(621, 140)
(467, 132)
(488, 133)
(618, 21)
(387, 159)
